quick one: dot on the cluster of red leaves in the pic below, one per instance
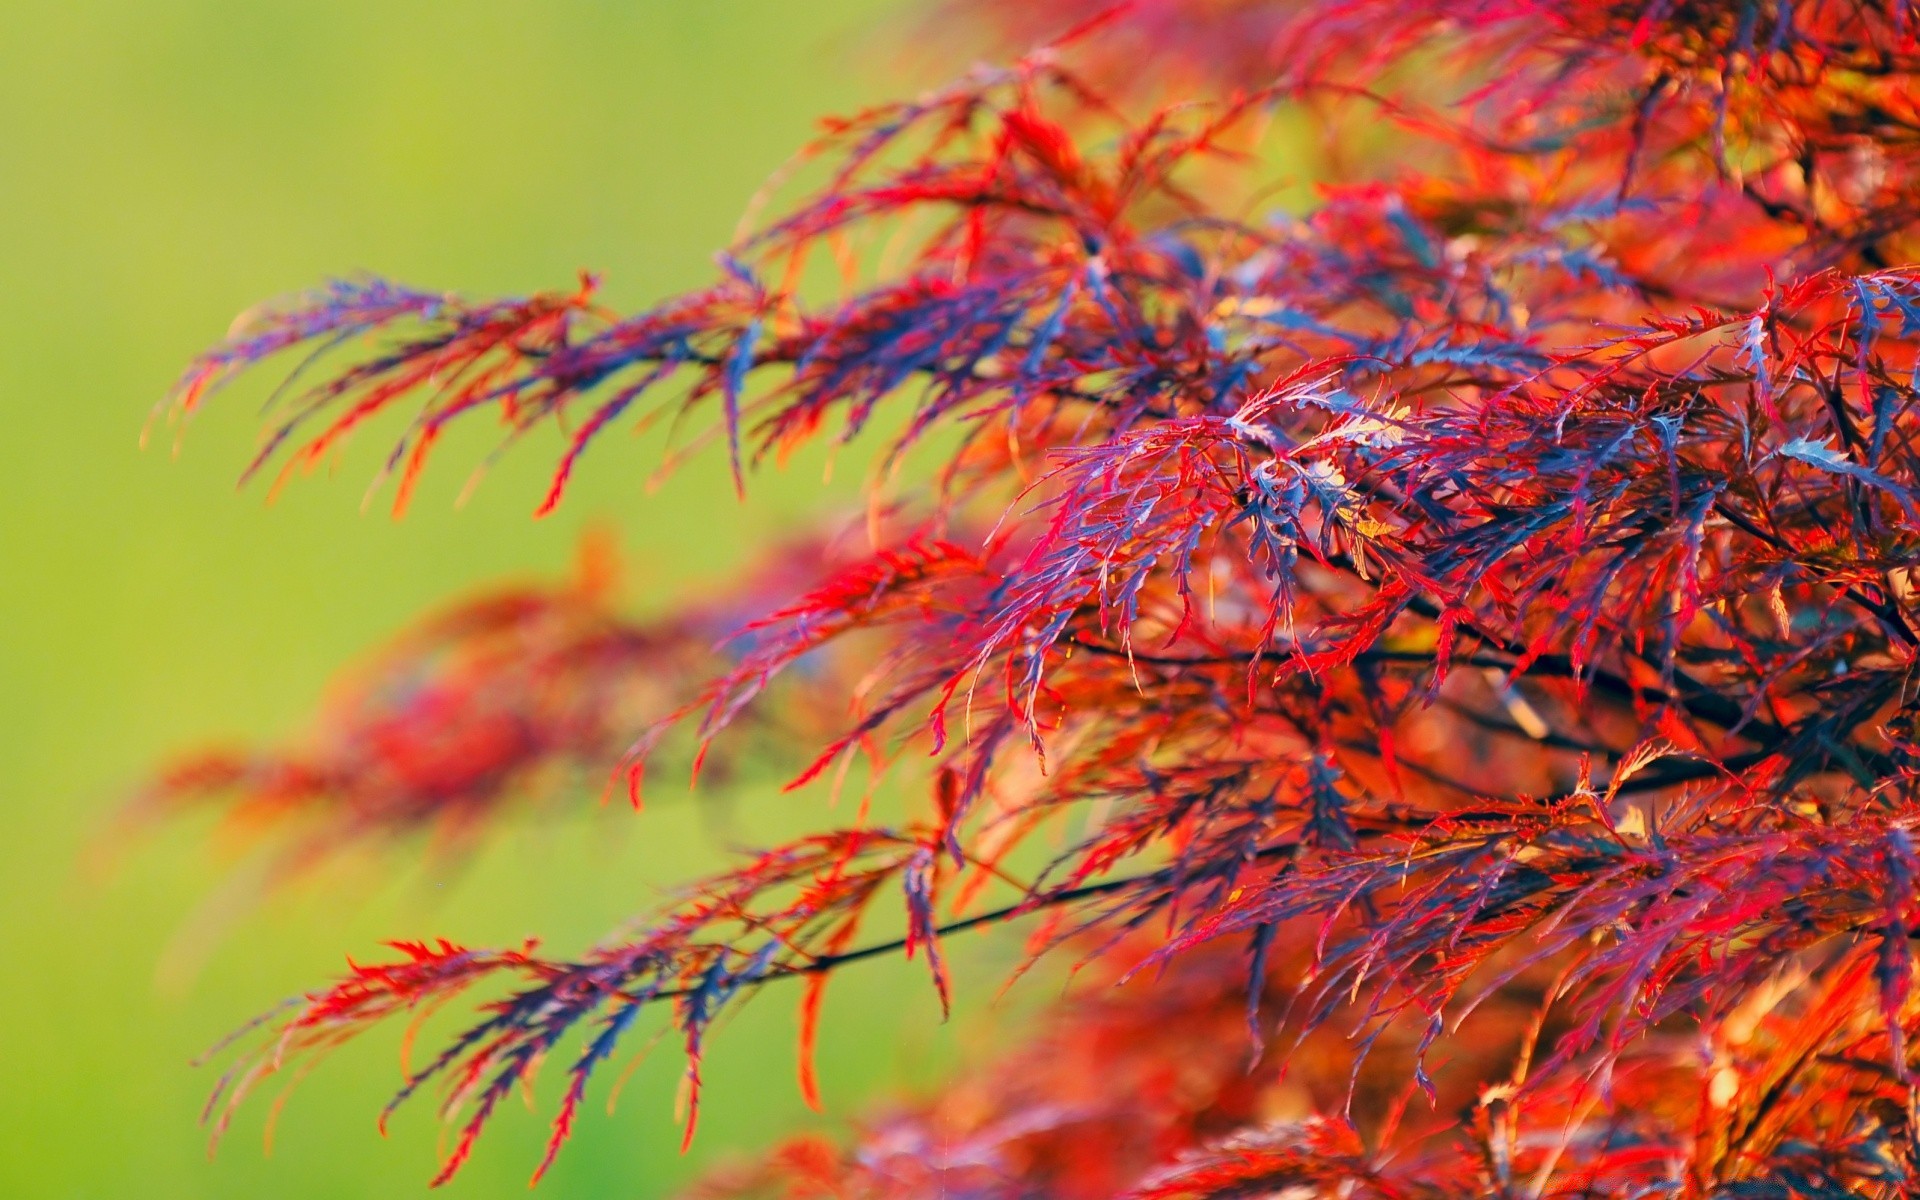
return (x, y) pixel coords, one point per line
(483, 703)
(1148, 1089)
(1465, 631)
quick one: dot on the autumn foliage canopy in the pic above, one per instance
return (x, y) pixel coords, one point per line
(1438, 645)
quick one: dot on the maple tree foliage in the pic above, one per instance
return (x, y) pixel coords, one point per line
(1448, 648)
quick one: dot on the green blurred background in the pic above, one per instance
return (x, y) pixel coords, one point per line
(162, 166)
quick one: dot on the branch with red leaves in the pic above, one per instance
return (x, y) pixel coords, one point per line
(1464, 631)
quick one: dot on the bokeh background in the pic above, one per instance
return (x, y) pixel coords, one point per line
(163, 166)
